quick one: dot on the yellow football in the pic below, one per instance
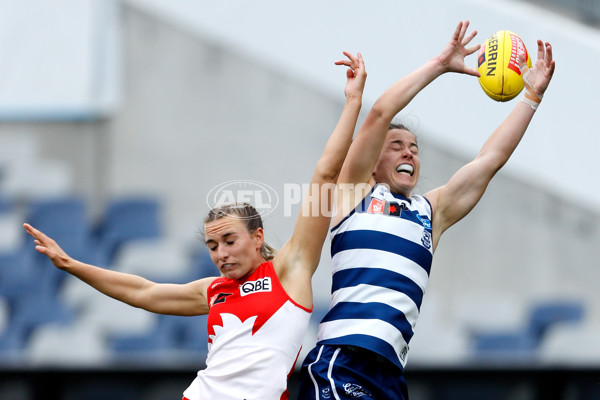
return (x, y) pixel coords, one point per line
(498, 64)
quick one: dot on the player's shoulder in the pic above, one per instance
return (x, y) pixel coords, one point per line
(208, 283)
(432, 197)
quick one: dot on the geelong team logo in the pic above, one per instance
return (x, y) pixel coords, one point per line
(426, 239)
(261, 196)
(356, 391)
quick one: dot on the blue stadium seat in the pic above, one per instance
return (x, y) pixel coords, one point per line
(17, 275)
(126, 219)
(6, 204)
(186, 336)
(546, 314)
(65, 220)
(202, 265)
(27, 313)
(504, 346)
(36, 309)
(523, 344)
(59, 216)
(191, 333)
(12, 342)
(156, 341)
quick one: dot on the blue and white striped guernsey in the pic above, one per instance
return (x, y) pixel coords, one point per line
(381, 257)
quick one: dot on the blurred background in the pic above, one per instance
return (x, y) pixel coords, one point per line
(118, 119)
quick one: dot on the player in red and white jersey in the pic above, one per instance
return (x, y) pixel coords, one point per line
(259, 307)
(248, 347)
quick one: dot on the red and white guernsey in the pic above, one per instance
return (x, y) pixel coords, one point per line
(255, 332)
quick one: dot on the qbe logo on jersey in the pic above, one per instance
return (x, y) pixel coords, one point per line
(258, 286)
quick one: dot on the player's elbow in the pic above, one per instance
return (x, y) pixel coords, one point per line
(379, 118)
(491, 162)
(325, 172)
(379, 114)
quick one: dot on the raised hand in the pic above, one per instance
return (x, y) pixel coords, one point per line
(48, 247)
(356, 74)
(452, 57)
(537, 78)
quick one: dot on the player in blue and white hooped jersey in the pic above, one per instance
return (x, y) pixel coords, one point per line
(384, 236)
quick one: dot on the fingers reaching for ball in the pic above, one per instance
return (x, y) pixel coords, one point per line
(356, 74)
(539, 76)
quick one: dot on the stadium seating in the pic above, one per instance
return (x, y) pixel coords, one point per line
(110, 316)
(546, 314)
(6, 204)
(522, 344)
(41, 305)
(10, 338)
(504, 347)
(17, 274)
(28, 313)
(201, 264)
(76, 344)
(59, 216)
(126, 219)
(33, 290)
(571, 344)
(3, 314)
(156, 259)
(182, 338)
(65, 220)
(11, 228)
(13, 341)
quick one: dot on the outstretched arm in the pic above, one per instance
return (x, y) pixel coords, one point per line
(457, 198)
(365, 150)
(298, 259)
(188, 299)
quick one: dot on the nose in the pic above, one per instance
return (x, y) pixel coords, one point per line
(222, 253)
(406, 153)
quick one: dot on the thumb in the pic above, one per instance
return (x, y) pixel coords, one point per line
(472, 71)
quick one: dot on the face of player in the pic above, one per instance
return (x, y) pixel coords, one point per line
(399, 165)
(233, 249)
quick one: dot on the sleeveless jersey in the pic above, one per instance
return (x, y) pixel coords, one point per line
(381, 258)
(255, 333)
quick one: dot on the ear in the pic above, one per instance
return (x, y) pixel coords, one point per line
(259, 237)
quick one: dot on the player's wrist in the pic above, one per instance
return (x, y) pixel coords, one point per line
(534, 105)
(353, 97)
(531, 99)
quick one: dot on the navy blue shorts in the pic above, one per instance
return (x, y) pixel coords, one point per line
(349, 373)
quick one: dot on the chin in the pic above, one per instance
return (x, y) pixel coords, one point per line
(403, 189)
